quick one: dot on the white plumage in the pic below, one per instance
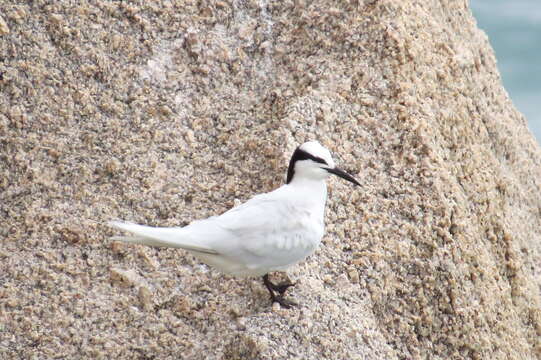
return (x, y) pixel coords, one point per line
(269, 232)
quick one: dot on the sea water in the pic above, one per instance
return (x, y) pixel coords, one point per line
(514, 30)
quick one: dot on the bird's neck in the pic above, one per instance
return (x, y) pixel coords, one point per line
(311, 190)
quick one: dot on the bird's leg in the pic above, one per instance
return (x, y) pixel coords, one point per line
(280, 289)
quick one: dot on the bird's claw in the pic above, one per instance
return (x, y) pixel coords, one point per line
(282, 287)
(287, 304)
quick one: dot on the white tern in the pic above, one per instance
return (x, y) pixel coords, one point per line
(269, 232)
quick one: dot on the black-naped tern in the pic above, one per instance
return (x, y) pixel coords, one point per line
(269, 232)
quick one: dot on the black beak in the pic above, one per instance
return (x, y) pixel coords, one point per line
(343, 175)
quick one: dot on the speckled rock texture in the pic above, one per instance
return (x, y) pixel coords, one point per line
(163, 112)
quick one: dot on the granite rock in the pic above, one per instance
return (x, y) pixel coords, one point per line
(163, 112)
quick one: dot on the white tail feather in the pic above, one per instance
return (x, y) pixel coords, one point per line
(156, 236)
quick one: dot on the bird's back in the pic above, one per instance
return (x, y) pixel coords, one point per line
(267, 233)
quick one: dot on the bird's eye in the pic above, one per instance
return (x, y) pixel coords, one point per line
(319, 160)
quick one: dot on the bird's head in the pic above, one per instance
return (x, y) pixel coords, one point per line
(313, 161)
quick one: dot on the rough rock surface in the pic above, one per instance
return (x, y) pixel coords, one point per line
(162, 112)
